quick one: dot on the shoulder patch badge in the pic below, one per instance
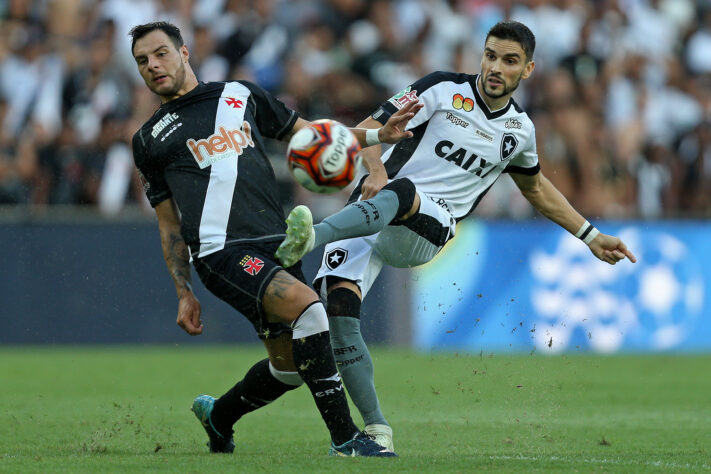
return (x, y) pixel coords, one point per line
(403, 97)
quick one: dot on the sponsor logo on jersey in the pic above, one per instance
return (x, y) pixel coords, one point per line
(456, 120)
(173, 128)
(508, 145)
(234, 103)
(461, 102)
(336, 257)
(484, 135)
(513, 123)
(403, 97)
(220, 145)
(162, 123)
(461, 157)
(251, 265)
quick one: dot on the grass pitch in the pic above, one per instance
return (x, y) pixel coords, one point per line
(126, 409)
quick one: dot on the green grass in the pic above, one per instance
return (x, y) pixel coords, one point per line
(125, 409)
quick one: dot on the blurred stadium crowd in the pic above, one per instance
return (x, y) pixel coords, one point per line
(621, 95)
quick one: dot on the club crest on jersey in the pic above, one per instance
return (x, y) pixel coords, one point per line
(220, 145)
(508, 145)
(234, 103)
(403, 97)
(335, 258)
(251, 265)
(460, 102)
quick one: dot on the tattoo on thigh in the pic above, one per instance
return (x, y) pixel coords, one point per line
(279, 285)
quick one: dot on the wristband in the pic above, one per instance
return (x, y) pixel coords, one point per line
(371, 137)
(587, 232)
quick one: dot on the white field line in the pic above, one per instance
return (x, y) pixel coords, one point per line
(619, 462)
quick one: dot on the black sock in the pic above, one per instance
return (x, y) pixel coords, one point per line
(314, 361)
(257, 389)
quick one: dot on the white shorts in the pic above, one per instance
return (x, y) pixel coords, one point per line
(412, 243)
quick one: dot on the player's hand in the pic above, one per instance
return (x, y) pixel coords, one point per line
(610, 249)
(373, 183)
(189, 314)
(394, 129)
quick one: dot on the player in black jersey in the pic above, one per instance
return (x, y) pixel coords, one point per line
(202, 161)
(469, 131)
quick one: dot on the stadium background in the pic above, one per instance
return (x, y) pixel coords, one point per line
(621, 98)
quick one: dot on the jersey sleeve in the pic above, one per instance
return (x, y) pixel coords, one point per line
(418, 90)
(152, 178)
(526, 160)
(273, 118)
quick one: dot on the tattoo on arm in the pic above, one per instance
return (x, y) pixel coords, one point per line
(177, 258)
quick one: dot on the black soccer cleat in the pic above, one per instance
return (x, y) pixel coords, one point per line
(361, 445)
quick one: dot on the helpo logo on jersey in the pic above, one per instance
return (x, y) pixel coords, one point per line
(650, 304)
(220, 145)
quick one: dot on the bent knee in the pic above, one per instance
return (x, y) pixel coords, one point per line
(286, 298)
(408, 200)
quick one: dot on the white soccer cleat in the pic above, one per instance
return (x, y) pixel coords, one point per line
(382, 434)
(300, 237)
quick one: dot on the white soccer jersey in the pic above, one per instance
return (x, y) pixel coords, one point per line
(459, 147)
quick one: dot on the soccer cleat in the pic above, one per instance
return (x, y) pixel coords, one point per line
(361, 445)
(300, 236)
(202, 407)
(382, 434)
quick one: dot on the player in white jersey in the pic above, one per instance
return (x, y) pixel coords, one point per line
(467, 133)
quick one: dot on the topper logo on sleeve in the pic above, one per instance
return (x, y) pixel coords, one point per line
(220, 145)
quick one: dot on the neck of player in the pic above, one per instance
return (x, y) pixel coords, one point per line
(493, 104)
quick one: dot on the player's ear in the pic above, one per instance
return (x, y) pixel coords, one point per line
(184, 53)
(528, 69)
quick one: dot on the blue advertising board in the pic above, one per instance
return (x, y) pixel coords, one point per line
(531, 286)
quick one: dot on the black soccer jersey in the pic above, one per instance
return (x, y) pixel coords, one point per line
(205, 149)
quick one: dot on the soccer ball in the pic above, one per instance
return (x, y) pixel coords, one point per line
(324, 157)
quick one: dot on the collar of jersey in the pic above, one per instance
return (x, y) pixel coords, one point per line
(170, 104)
(485, 108)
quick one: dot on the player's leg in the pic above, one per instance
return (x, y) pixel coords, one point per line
(263, 383)
(397, 200)
(236, 275)
(270, 297)
(348, 271)
(354, 360)
(289, 300)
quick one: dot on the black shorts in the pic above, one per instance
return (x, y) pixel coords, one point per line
(239, 275)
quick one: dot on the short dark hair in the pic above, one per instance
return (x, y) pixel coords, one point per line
(173, 32)
(515, 31)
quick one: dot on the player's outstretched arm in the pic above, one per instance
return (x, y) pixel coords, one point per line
(377, 175)
(551, 203)
(392, 132)
(177, 259)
